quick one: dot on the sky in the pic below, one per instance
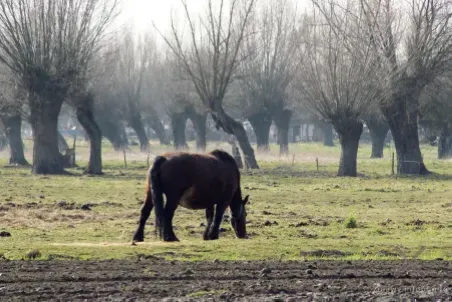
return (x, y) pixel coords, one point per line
(141, 13)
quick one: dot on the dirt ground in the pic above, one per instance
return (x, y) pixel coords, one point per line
(152, 279)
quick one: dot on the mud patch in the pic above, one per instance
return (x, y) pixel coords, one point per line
(151, 279)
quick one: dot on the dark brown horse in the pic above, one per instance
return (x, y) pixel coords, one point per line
(194, 181)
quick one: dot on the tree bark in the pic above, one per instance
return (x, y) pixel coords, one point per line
(13, 125)
(114, 131)
(316, 133)
(231, 126)
(157, 126)
(402, 116)
(178, 124)
(137, 125)
(62, 143)
(327, 129)
(378, 128)
(3, 141)
(445, 143)
(85, 117)
(199, 122)
(44, 112)
(349, 132)
(261, 123)
(282, 122)
(328, 137)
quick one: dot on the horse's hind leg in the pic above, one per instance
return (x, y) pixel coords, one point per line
(209, 217)
(145, 212)
(215, 230)
(170, 208)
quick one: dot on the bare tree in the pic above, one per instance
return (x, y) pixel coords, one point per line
(436, 105)
(108, 108)
(337, 82)
(135, 59)
(413, 42)
(182, 104)
(82, 99)
(252, 107)
(270, 67)
(211, 59)
(11, 112)
(45, 44)
(153, 100)
(378, 128)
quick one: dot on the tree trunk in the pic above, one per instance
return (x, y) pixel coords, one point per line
(85, 117)
(44, 112)
(62, 143)
(328, 137)
(261, 123)
(236, 155)
(316, 133)
(178, 124)
(231, 126)
(426, 132)
(13, 125)
(445, 143)
(137, 126)
(112, 129)
(402, 116)
(157, 126)
(3, 141)
(378, 129)
(296, 131)
(282, 122)
(349, 132)
(199, 122)
(327, 129)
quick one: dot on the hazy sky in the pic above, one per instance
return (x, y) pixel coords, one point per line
(141, 13)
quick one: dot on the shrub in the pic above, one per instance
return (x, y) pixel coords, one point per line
(351, 223)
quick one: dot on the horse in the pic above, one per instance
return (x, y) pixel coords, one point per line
(194, 181)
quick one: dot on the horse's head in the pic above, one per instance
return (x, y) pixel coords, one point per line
(238, 219)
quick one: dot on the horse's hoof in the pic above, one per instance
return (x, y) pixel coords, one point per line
(138, 239)
(171, 239)
(213, 237)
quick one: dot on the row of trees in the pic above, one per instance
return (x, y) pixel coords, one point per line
(345, 62)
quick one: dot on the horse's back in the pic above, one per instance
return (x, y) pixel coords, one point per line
(197, 180)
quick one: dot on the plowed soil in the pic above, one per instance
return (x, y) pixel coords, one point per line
(152, 279)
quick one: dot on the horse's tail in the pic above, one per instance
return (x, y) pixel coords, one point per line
(157, 194)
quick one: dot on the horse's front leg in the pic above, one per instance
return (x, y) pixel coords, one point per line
(215, 230)
(209, 217)
(169, 235)
(145, 212)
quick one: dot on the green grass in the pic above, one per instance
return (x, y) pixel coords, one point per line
(294, 210)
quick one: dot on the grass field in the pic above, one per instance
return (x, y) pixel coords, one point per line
(295, 212)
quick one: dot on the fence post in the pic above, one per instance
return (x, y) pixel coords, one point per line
(125, 157)
(73, 147)
(317, 163)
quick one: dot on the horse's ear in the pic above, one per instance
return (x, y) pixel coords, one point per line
(245, 200)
